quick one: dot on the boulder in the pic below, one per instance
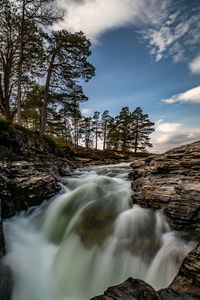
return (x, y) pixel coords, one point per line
(131, 289)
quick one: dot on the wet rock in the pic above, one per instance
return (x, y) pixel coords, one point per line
(187, 280)
(96, 224)
(171, 182)
(23, 185)
(2, 240)
(6, 282)
(170, 294)
(131, 289)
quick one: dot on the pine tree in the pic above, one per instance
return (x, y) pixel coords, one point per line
(142, 128)
(96, 127)
(31, 11)
(124, 125)
(105, 118)
(113, 136)
(86, 126)
(9, 59)
(32, 108)
(67, 63)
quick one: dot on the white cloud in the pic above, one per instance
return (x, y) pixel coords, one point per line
(168, 127)
(86, 111)
(195, 65)
(190, 96)
(94, 17)
(166, 142)
(161, 23)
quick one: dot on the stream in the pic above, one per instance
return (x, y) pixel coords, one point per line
(90, 237)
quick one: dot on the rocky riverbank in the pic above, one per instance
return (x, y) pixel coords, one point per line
(186, 285)
(31, 169)
(170, 182)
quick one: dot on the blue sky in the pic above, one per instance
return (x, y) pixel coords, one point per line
(147, 54)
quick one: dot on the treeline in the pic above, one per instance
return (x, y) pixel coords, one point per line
(127, 132)
(30, 54)
(40, 74)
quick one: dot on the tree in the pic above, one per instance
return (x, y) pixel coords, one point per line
(104, 121)
(9, 59)
(142, 128)
(67, 63)
(87, 130)
(34, 11)
(113, 136)
(76, 123)
(124, 125)
(96, 126)
(32, 107)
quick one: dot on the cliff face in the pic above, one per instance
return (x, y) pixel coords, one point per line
(29, 169)
(171, 182)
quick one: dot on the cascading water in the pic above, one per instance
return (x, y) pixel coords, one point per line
(89, 237)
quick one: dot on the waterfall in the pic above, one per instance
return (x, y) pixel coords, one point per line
(90, 237)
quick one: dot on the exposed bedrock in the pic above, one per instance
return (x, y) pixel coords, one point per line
(171, 182)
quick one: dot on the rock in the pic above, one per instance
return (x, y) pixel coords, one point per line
(95, 224)
(170, 294)
(6, 282)
(131, 289)
(23, 185)
(2, 240)
(171, 182)
(188, 278)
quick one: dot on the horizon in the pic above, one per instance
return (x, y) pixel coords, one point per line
(146, 54)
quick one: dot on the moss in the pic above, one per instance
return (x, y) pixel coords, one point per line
(4, 124)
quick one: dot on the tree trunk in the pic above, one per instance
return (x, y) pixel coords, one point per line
(46, 95)
(96, 138)
(104, 138)
(136, 140)
(19, 80)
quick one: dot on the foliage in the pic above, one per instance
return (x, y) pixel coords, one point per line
(33, 57)
(67, 64)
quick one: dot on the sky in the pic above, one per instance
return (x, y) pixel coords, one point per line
(147, 54)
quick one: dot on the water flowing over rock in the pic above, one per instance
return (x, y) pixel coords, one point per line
(90, 237)
(171, 182)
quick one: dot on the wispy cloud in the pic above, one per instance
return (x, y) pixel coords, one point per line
(190, 96)
(172, 33)
(164, 25)
(195, 65)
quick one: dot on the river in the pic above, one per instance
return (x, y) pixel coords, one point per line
(88, 238)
